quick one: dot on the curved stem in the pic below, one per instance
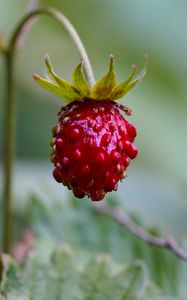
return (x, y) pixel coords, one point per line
(60, 18)
(10, 113)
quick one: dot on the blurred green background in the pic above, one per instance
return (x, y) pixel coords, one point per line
(157, 181)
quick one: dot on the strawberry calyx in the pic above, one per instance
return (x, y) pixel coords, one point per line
(105, 88)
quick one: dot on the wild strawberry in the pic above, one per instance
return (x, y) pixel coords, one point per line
(92, 142)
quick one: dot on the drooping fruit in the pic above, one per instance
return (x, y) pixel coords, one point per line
(92, 141)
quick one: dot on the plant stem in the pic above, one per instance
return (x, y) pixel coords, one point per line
(67, 25)
(9, 149)
(10, 112)
(124, 220)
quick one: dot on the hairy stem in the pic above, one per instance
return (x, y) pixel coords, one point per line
(10, 112)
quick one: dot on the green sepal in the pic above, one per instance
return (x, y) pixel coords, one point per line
(119, 89)
(69, 92)
(103, 87)
(48, 85)
(79, 81)
(124, 87)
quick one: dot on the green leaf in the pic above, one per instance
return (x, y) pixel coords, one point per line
(126, 284)
(12, 285)
(52, 272)
(77, 224)
(136, 279)
(103, 87)
(80, 82)
(69, 92)
(94, 277)
(56, 272)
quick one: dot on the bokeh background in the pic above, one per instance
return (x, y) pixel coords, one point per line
(156, 186)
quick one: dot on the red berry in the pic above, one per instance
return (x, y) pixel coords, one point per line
(92, 142)
(57, 175)
(92, 147)
(131, 132)
(59, 144)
